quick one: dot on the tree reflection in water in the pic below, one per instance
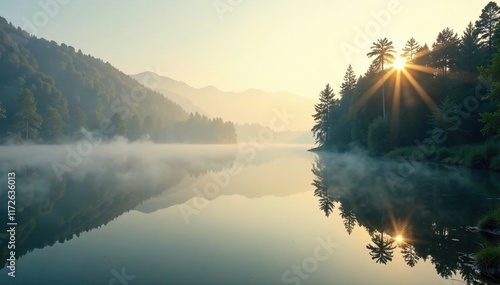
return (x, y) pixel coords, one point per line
(381, 248)
(431, 207)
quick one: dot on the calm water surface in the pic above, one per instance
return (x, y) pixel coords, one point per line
(164, 214)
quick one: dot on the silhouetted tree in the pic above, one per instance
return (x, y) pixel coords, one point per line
(383, 51)
(445, 50)
(410, 50)
(469, 56)
(381, 248)
(409, 254)
(321, 117)
(487, 24)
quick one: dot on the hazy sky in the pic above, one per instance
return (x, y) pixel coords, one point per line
(275, 45)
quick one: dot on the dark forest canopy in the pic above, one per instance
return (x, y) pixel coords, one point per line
(446, 92)
(50, 92)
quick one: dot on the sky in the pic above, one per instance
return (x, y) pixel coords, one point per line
(275, 45)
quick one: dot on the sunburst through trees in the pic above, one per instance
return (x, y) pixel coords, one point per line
(407, 89)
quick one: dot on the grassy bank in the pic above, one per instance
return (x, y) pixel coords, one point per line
(487, 259)
(481, 156)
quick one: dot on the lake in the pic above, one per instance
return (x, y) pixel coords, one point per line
(178, 214)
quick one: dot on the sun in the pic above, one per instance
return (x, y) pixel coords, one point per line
(399, 63)
(399, 239)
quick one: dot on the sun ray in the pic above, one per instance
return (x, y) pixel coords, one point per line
(396, 100)
(420, 90)
(371, 91)
(426, 69)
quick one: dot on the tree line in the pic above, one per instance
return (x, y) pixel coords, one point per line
(50, 92)
(447, 91)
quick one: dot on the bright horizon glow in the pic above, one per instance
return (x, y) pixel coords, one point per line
(399, 63)
(293, 46)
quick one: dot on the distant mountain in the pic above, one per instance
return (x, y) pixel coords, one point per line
(50, 91)
(248, 107)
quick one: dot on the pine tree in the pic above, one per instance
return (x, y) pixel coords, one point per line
(469, 51)
(383, 51)
(444, 51)
(28, 121)
(321, 117)
(348, 87)
(53, 124)
(410, 50)
(487, 24)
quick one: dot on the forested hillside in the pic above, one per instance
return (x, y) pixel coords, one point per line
(428, 96)
(49, 92)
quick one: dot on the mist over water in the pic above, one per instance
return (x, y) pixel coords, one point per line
(186, 214)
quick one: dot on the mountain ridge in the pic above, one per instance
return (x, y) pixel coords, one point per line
(251, 106)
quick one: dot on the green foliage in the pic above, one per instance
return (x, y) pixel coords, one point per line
(379, 136)
(446, 75)
(53, 125)
(85, 91)
(118, 125)
(488, 257)
(28, 121)
(200, 129)
(445, 51)
(486, 25)
(490, 221)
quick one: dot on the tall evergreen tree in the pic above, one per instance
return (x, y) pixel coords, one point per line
(444, 51)
(486, 25)
(410, 50)
(348, 87)
(422, 57)
(53, 124)
(469, 50)
(383, 51)
(27, 120)
(321, 117)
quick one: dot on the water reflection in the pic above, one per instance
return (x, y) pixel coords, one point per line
(96, 192)
(381, 248)
(428, 210)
